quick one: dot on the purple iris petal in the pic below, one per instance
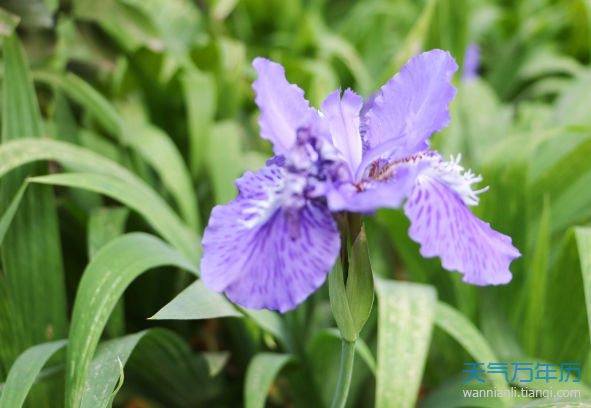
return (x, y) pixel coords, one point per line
(249, 252)
(471, 62)
(377, 194)
(413, 104)
(282, 105)
(343, 116)
(445, 227)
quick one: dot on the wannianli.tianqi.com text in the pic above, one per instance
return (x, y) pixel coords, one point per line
(515, 392)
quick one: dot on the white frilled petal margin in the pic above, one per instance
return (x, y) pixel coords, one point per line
(250, 255)
(282, 105)
(445, 227)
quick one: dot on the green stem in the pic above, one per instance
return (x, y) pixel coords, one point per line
(354, 222)
(347, 358)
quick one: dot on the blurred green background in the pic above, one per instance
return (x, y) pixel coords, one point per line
(155, 96)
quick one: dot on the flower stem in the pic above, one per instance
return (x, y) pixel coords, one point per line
(347, 358)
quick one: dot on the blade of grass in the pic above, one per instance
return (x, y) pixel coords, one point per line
(160, 152)
(128, 187)
(199, 92)
(262, 370)
(31, 250)
(106, 368)
(405, 322)
(83, 93)
(461, 329)
(144, 201)
(103, 283)
(104, 225)
(23, 373)
(11, 211)
(224, 159)
(536, 284)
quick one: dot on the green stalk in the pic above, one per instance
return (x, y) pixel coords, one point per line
(347, 358)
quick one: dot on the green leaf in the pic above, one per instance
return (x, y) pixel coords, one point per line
(178, 21)
(103, 283)
(146, 202)
(271, 322)
(461, 329)
(405, 322)
(8, 22)
(262, 370)
(224, 159)
(161, 153)
(23, 373)
(80, 91)
(563, 182)
(199, 91)
(127, 188)
(360, 282)
(536, 284)
(31, 249)
(396, 223)
(339, 303)
(67, 128)
(568, 288)
(216, 361)
(104, 225)
(197, 302)
(10, 211)
(105, 369)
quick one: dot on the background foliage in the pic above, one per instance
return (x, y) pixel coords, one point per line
(125, 121)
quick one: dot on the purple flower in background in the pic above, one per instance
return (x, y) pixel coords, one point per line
(471, 62)
(275, 243)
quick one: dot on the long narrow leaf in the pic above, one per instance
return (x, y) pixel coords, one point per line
(461, 329)
(262, 370)
(161, 153)
(104, 370)
(102, 284)
(10, 211)
(144, 201)
(23, 373)
(406, 312)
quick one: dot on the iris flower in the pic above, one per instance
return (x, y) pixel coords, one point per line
(276, 242)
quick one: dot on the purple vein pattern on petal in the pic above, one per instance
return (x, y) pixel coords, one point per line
(343, 116)
(261, 266)
(413, 104)
(445, 227)
(282, 105)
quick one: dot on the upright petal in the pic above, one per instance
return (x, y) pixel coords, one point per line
(445, 227)
(343, 116)
(250, 255)
(282, 105)
(413, 104)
